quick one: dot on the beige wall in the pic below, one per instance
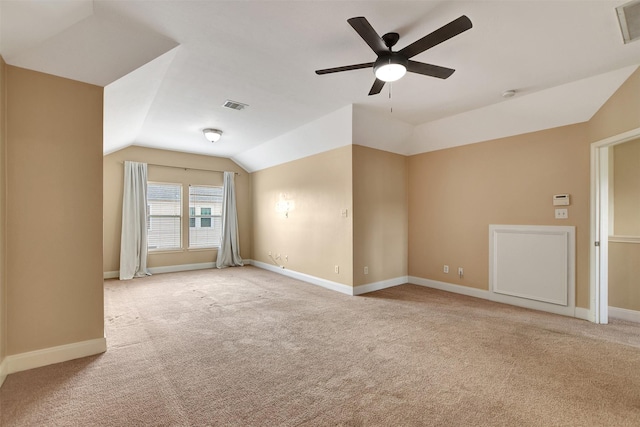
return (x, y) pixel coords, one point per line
(624, 257)
(624, 270)
(454, 195)
(380, 217)
(315, 236)
(113, 184)
(3, 230)
(620, 113)
(626, 189)
(54, 211)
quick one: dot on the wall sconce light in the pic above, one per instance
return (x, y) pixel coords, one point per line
(285, 205)
(213, 135)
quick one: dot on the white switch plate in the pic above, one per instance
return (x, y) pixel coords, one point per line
(366, 270)
(562, 213)
(446, 269)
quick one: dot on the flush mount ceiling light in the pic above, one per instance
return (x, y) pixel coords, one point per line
(390, 68)
(213, 135)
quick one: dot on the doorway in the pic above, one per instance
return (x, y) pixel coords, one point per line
(601, 223)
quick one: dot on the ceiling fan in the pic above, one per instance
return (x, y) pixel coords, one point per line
(391, 66)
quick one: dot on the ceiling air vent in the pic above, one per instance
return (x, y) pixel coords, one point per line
(234, 105)
(629, 17)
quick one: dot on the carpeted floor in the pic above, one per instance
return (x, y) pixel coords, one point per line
(246, 347)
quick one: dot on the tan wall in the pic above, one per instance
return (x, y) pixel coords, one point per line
(454, 195)
(54, 211)
(624, 269)
(624, 265)
(315, 236)
(380, 217)
(620, 113)
(626, 188)
(113, 184)
(3, 229)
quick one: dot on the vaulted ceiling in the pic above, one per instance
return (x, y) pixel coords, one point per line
(168, 66)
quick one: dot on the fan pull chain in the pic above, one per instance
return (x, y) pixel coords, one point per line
(391, 105)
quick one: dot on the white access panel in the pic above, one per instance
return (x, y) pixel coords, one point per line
(533, 262)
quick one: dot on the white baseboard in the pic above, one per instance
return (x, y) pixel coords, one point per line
(172, 268)
(334, 286)
(491, 296)
(328, 284)
(624, 314)
(110, 275)
(449, 287)
(49, 356)
(182, 267)
(376, 286)
(3, 371)
(584, 314)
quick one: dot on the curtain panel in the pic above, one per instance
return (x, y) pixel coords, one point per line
(229, 251)
(133, 243)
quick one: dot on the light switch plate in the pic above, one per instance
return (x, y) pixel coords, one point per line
(562, 213)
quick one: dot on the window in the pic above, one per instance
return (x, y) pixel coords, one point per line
(192, 214)
(164, 208)
(205, 216)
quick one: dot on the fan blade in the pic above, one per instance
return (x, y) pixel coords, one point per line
(440, 35)
(377, 87)
(368, 34)
(345, 68)
(429, 69)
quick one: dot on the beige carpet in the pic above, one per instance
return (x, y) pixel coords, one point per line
(246, 347)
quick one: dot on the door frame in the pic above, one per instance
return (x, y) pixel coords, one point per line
(599, 242)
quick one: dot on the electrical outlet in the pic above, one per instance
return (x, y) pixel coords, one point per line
(366, 270)
(460, 272)
(269, 253)
(446, 269)
(336, 269)
(286, 257)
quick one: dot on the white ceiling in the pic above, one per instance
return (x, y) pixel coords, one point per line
(167, 67)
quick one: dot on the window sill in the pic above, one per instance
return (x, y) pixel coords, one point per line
(163, 251)
(215, 248)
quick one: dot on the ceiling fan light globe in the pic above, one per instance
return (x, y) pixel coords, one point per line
(390, 72)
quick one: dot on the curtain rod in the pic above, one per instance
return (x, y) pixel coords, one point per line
(181, 167)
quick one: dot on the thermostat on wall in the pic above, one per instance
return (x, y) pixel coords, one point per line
(561, 200)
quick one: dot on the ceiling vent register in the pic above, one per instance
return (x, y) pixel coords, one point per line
(629, 18)
(234, 105)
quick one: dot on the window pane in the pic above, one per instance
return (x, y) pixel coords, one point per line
(164, 209)
(205, 206)
(164, 233)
